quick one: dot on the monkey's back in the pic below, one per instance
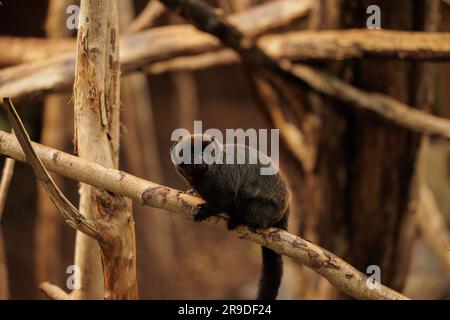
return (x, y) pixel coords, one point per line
(241, 190)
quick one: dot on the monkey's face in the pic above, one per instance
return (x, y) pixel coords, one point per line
(188, 155)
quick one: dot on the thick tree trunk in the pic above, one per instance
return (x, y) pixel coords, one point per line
(97, 110)
(364, 175)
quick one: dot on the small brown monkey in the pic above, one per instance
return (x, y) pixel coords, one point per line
(239, 189)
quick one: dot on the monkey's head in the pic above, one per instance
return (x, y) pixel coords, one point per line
(192, 154)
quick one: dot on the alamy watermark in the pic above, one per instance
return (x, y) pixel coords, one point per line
(373, 282)
(240, 147)
(374, 20)
(74, 280)
(72, 20)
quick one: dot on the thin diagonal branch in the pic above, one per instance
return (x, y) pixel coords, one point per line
(147, 17)
(432, 225)
(293, 138)
(70, 214)
(53, 292)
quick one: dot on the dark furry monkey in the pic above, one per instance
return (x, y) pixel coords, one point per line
(239, 189)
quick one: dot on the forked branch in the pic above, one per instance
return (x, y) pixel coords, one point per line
(70, 214)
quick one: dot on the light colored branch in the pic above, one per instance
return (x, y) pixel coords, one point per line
(91, 130)
(432, 225)
(53, 292)
(335, 270)
(8, 170)
(299, 45)
(358, 44)
(383, 105)
(202, 61)
(22, 49)
(147, 17)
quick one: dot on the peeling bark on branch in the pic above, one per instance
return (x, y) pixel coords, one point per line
(97, 111)
(336, 271)
(91, 134)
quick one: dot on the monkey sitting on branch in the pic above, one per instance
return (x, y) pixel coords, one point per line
(240, 188)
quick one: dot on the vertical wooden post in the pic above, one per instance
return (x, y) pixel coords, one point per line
(97, 112)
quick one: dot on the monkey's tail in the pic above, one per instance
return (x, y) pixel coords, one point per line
(272, 270)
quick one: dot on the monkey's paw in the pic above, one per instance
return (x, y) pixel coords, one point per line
(232, 224)
(202, 214)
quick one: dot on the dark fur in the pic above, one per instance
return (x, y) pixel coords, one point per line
(259, 201)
